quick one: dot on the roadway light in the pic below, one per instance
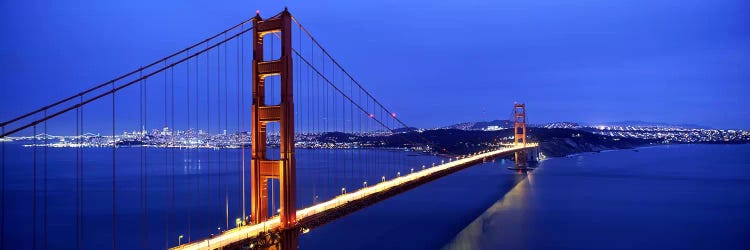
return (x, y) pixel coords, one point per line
(218, 229)
(179, 239)
(422, 167)
(383, 179)
(364, 184)
(412, 170)
(343, 190)
(238, 222)
(398, 174)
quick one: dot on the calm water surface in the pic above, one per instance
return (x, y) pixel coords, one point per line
(161, 193)
(669, 197)
(666, 197)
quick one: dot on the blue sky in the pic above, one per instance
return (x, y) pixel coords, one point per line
(585, 61)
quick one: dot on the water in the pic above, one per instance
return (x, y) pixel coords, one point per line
(669, 197)
(684, 197)
(666, 197)
(194, 193)
(426, 217)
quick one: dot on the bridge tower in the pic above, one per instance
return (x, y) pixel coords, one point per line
(263, 168)
(519, 123)
(519, 135)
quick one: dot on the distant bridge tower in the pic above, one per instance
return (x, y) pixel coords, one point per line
(519, 136)
(519, 123)
(262, 168)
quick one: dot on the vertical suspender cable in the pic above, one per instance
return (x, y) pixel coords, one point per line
(311, 124)
(241, 117)
(33, 221)
(207, 146)
(142, 134)
(325, 130)
(197, 137)
(218, 116)
(44, 219)
(172, 208)
(166, 161)
(2, 199)
(226, 126)
(339, 111)
(79, 180)
(351, 131)
(334, 114)
(114, 191)
(78, 175)
(188, 149)
(145, 170)
(344, 162)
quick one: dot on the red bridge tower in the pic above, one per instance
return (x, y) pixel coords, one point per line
(519, 138)
(262, 168)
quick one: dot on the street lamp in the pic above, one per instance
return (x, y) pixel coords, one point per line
(238, 222)
(219, 230)
(398, 174)
(412, 170)
(343, 190)
(179, 239)
(364, 184)
(422, 167)
(383, 179)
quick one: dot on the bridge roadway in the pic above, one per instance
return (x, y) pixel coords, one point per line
(341, 205)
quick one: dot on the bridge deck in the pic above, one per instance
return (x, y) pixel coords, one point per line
(333, 206)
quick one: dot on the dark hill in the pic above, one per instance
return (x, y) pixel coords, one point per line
(553, 142)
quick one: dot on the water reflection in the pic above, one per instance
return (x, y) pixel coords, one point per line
(482, 232)
(191, 165)
(282, 240)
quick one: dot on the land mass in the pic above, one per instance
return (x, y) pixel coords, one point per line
(555, 139)
(552, 142)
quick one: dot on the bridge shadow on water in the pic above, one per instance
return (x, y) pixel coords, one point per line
(427, 217)
(516, 199)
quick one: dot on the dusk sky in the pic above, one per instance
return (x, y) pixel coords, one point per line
(434, 63)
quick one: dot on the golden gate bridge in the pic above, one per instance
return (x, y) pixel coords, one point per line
(270, 77)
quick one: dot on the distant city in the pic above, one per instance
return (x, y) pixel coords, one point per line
(167, 138)
(663, 133)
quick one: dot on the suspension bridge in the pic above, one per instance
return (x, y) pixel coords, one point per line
(241, 141)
